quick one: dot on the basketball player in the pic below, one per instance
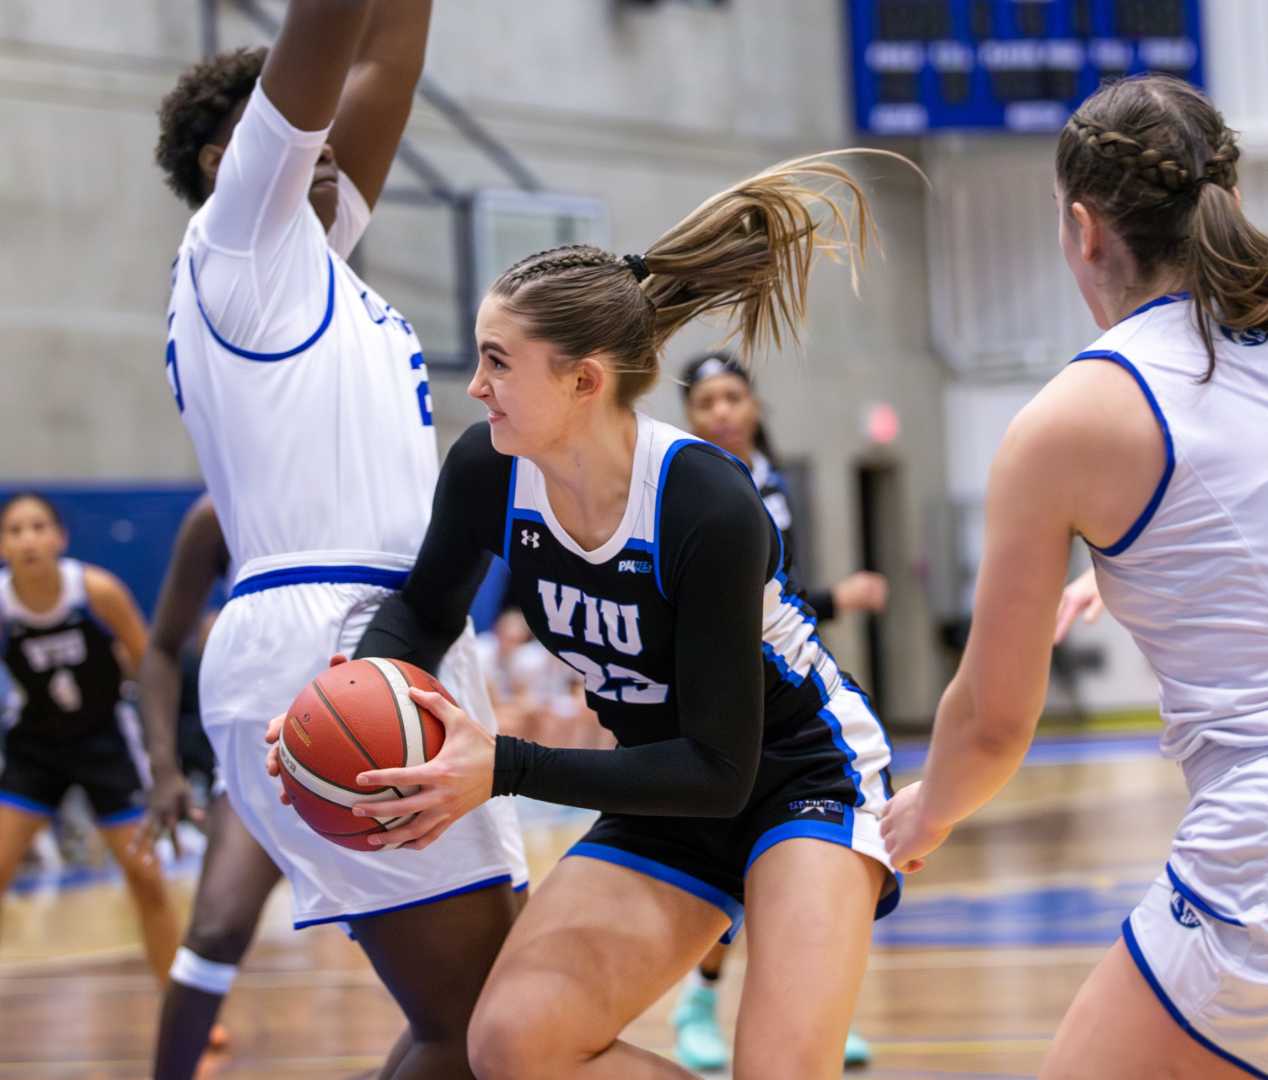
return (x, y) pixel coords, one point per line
(305, 395)
(237, 874)
(749, 770)
(721, 407)
(63, 624)
(1152, 449)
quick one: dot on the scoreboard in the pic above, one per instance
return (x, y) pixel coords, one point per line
(1007, 65)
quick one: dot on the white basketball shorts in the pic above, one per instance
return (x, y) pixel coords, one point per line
(264, 647)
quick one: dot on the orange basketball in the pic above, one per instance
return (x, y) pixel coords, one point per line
(353, 717)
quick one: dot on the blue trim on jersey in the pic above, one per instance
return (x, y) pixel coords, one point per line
(475, 886)
(670, 454)
(638, 545)
(1161, 301)
(851, 755)
(1146, 515)
(1197, 901)
(710, 894)
(510, 513)
(269, 358)
(121, 817)
(520, 887)
(29, 805)
(321, 575)
(1133, 947)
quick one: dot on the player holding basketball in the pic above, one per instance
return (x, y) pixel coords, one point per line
(305, 395)
(1152, 449)
(722, 407)
(750, 771)
(62, 623)
(237, 874)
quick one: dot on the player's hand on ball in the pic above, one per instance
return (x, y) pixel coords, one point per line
(908, 834)
(453, 783)
(273, 761)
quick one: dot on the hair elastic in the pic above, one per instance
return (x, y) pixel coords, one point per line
(637, 265)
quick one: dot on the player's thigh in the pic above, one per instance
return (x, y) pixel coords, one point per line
(434, 957)
(236, 879)
(18, 828)
(596, 946)
(809, 907)
(1118, 1029)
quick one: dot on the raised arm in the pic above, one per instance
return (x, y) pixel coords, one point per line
(308, 64)
(199, 557)
(379, 92)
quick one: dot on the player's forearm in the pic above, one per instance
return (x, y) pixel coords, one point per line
(971, 757)
(160, 681)
(395, 39)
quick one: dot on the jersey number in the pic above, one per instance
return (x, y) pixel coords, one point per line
(419, 366)
(613, 682)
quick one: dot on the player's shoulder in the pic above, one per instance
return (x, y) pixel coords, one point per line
(705, 485)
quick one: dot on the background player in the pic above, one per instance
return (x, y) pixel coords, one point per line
(721, 407)
(305, 396)
(749, 769)
(237, 874)
(64, 626)
(1152, 449)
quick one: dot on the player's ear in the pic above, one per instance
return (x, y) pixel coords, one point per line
(209, 158)
(589, 377)
(1090, 225)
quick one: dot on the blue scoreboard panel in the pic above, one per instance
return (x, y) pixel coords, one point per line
(1008, 65)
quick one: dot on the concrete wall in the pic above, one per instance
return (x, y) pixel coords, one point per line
(651, 110)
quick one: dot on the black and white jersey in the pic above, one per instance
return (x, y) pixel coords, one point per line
(62, 660)
(694, 645)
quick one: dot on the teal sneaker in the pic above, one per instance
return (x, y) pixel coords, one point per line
(857, 1052)
(700, 1045)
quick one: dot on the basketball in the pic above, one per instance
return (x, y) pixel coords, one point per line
(353, 717)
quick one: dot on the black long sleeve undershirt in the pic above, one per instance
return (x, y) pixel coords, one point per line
(715, 553)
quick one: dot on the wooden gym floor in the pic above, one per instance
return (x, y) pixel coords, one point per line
(968, 978)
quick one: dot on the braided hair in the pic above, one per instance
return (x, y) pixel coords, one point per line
(1154, 157)
(745, 252)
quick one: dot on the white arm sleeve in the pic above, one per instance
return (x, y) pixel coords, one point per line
(263, 180)
(259, 251)
(351, 219)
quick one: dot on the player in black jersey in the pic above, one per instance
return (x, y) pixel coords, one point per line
(750, 771)
(721, 407)
(62, 624)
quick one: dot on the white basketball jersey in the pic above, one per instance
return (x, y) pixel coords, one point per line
(1190, 578)
(304, 392)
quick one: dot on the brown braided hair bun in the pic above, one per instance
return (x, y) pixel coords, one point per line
(1154, 157)
(746, 252)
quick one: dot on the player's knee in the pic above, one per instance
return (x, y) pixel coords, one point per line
(221, 939)
(504, 1043)
(146, 885)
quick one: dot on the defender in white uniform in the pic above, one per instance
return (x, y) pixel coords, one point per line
(1153, 448)
(305, 394)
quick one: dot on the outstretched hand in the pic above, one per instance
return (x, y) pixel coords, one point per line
(1081, 597)
(453, 783)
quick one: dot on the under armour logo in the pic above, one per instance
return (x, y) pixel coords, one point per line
(530, 539)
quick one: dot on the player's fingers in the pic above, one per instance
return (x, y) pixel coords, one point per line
(1095, 606)
(275, 728)
(1066, 614)
(409, 776)
(273, 762)
(419, 802)
(438, 705)
(913, 866)
(414, 835)
(338, 659)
